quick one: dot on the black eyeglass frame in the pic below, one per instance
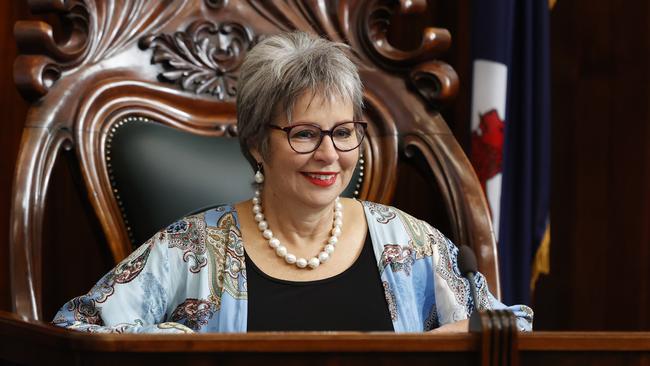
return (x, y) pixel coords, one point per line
(329, 132)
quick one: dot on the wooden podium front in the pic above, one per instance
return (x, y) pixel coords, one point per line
(35, 343)
(584, 348)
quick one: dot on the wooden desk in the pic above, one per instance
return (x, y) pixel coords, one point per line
(34, 343)
(584, 348)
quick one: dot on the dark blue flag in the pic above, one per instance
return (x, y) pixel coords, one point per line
(511, 133)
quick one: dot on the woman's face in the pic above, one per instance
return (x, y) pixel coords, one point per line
(317, 178)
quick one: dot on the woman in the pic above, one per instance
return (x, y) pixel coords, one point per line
(295, 256)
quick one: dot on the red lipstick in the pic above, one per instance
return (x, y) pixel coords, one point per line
(321, 179)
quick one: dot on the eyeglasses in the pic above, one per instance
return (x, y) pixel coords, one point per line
(306, 137)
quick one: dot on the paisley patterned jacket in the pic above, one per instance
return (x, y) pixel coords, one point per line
(191, 276)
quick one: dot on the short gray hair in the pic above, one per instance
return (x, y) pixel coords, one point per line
(278, 71)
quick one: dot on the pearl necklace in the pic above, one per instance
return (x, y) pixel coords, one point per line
(282, 251)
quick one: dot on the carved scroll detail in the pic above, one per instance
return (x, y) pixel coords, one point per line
(374, 29)
(204, 58)
(435, 81)
(92, 30)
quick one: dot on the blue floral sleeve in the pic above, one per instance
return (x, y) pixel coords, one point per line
(448, 271)
(131, 298)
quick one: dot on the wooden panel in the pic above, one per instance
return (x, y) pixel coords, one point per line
(629, 167)
(601, 169)
(583, 348)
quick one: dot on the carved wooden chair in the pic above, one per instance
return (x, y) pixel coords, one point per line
(143, 93)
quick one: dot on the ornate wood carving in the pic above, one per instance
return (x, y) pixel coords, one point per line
(93, 30)
(204, 58)
(365, 24)
(374, 31)
(434, 80)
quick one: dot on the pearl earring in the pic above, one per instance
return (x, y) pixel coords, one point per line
(259, 177)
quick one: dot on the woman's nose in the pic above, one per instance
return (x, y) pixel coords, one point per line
(326, 151)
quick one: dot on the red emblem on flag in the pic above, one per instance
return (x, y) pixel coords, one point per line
(487, 146)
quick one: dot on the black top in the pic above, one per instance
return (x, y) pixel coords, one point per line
(352, 300)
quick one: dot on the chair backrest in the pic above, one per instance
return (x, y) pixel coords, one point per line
(143, 92)
(160, 173)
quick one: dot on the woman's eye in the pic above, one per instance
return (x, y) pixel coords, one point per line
(304, 134)
(342, 133)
